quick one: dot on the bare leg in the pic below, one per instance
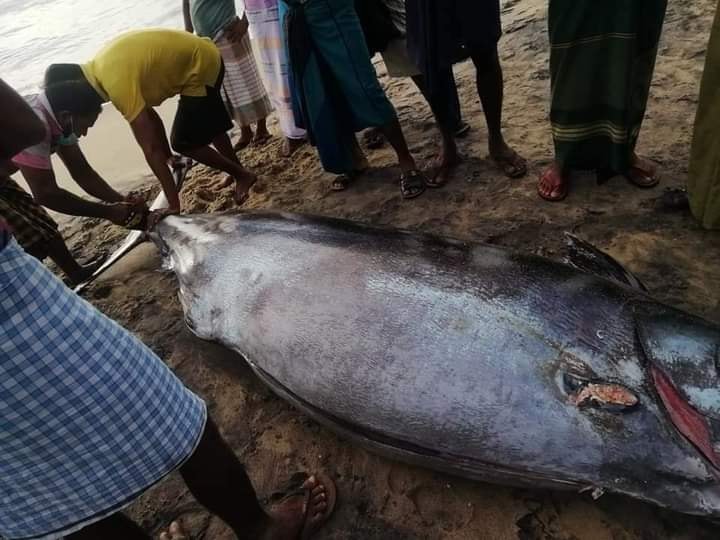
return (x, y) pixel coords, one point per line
(446, 109)
(225, 160)
(289, 146)
(218, 480)
(490, 89)
(261, 132)
(393, 133)
(246, 136)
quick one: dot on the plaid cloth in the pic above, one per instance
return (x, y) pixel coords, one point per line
(242, 89)
(30, 223)
(89, 417)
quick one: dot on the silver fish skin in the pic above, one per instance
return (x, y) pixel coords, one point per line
(461, 357)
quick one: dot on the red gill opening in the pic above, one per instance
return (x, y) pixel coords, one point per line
(689, 422)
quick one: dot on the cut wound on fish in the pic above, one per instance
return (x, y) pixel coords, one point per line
(602, 395)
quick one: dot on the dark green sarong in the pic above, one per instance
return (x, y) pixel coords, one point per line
(601, 64)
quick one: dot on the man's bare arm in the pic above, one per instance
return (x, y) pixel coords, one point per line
(86, 177)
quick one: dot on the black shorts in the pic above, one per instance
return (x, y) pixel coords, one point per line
(199, 120)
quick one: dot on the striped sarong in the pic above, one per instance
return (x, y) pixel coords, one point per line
(265, 18)
(89, 417)
(704, 172)
(602, 60)
(31, 225)
(242, 89)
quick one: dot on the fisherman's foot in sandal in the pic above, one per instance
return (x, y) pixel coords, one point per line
(300, 513)
(508, 160)
(242, 187)
(175, 532)
(342, 181)
(553, 186)
(442, 169)
(412, 184)
(642, 173)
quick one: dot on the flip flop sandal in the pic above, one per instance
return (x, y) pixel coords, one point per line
(642, 178)
(412, 184)
(137, 218)
(562, 193)
(509, 166)
(342, 182)
(462, 130)
(295, 488)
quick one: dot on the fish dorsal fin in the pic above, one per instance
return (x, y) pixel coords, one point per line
(686, 349)
(587, 258)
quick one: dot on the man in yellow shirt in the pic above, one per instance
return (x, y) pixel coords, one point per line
(138, 71)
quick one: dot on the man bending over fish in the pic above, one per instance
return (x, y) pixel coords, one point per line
(138, 71)
(92, 418)
(65, 114)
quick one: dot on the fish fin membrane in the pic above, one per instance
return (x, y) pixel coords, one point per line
(587, 258)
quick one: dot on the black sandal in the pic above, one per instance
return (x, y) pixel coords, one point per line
(412, 184)
(342, 182)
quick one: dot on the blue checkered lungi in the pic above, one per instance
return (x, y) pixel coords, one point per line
(89, 416)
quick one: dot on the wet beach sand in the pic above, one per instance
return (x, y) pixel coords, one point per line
(383, 499)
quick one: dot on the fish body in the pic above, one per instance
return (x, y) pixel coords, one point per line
(463, 357)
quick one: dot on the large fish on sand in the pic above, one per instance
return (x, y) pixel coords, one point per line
(464, 357)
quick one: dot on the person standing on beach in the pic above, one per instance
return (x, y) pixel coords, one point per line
(602, 58)
(242, 88)
(442, 33)
(139, 70)
(393, 48)
(338, 93)
(66, 114)
(267, 20)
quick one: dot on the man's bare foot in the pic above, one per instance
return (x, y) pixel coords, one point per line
(242, 187)
(300, 516)
(175, 532)
(507, 159)
(553, 185)
(442, 169)
(289, 146)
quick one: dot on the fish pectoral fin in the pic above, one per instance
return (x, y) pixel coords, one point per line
(686, 349)
(587, 258)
